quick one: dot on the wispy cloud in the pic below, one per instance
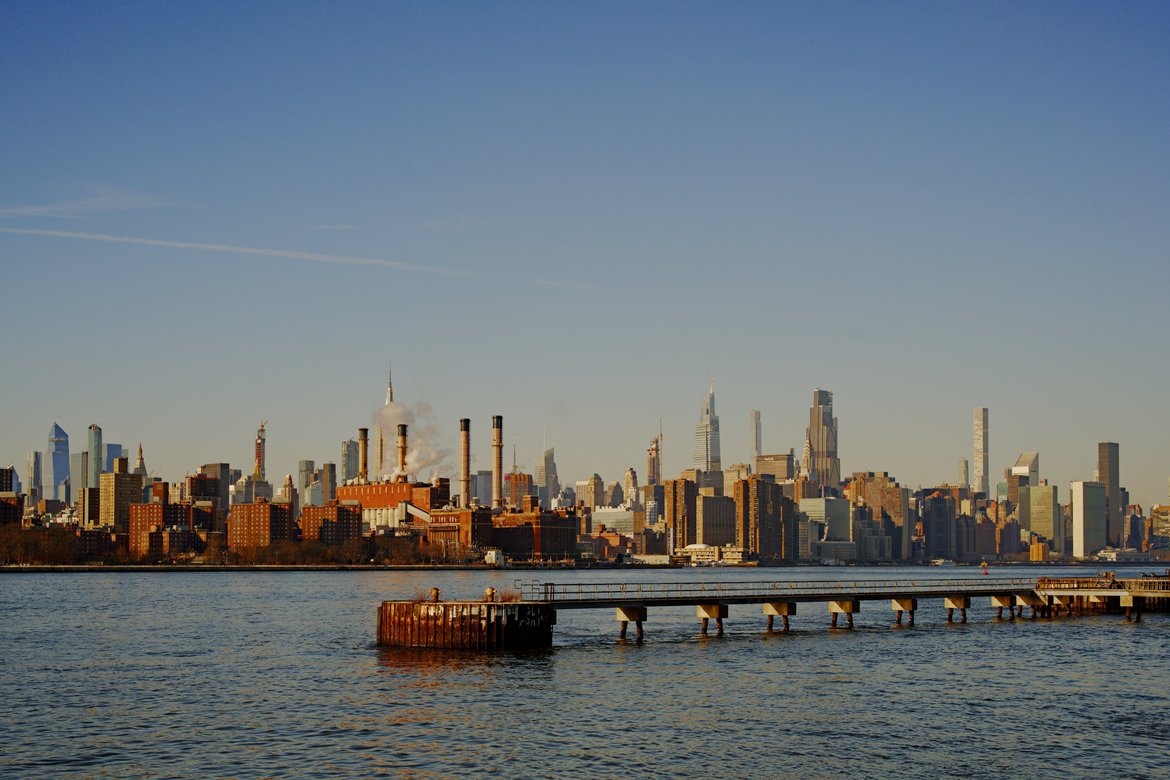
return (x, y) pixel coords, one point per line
(99, 199)
(290, 254)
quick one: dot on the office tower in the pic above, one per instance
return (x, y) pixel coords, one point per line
(328, 476)
(548, 485)
(654, 459)
(113, 452)
(715, 520)
(1045, 515)
(707, 434)
(757, 433)
(964, 473)
(140, 464)
(258, 473)
(349, 460)
(821, 442)
(890, 503)
(34, 478)
(591, 492)
(1089, 502)
(764, 520)
(306, 474)
(981, 462)
(679, 498)
(630, 488)
(782, 466)
(1027, 465)
(56, 465)
(97, 456)
(483, 488)
(118, 490)
(1107, 468)
(8, 480)
(222, 473)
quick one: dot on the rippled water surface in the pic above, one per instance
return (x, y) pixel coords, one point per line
(276, 675)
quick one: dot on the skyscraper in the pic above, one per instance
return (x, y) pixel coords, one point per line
(654, 459)
(97, 456)
(981, 463)
(1089, 518)
(821, 442)
(548, 485)
(33, 476)
(1107, 468)
(707, 434)
(349, 460)
(757, 433)
(964, 473)
(56, 465)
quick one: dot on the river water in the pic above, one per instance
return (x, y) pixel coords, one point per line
(194, 675)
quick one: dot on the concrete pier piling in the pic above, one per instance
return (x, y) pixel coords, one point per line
(781, 609)
(627, 615)
(903, 605)
(961, 603)
(846, 607)
(708, 611)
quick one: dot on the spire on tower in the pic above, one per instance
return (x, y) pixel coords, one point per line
(389, 386)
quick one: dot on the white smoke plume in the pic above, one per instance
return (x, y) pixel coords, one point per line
(426, 453)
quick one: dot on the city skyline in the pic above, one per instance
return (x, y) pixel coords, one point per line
(447, 442)
(923, 209)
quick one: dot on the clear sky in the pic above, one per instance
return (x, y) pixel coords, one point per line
(571, 214)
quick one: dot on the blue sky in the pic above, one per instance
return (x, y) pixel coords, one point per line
(578, 212)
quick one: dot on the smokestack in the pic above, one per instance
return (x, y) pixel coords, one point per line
(465, 474)
(497, 461)
(402, 453)
(363, 455)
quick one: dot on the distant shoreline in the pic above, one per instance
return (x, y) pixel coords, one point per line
(212, 568)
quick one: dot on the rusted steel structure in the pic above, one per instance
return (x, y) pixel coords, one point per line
(465, 625)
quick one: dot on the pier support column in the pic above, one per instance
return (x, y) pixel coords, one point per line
(961, 603)
(1133, 608)
(846, 607)
(627, 615)
(903, 605)
(999, 602)
(708, 611)
(1028, 600)
(784, 609)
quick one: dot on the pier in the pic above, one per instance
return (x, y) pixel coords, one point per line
(527, 619)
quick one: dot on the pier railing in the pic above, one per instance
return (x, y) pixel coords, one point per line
(587, 593)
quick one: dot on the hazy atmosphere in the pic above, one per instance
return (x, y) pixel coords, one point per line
(572, 216)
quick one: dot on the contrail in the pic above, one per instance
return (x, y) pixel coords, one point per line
(293, 254)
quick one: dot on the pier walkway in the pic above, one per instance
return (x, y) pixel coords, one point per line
(527, 616)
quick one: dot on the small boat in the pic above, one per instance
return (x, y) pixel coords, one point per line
(942, 562)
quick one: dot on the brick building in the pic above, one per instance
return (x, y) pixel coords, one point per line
(259, 525)
(332, 524)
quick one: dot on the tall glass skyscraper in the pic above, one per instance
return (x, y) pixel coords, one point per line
(757, 433)
(97, 456)
(824, 467)
(707, 434)
(56, 465)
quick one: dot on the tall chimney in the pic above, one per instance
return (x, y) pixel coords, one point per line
(401, 453)
(363, 455)
(465, 462)
(497, 461)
